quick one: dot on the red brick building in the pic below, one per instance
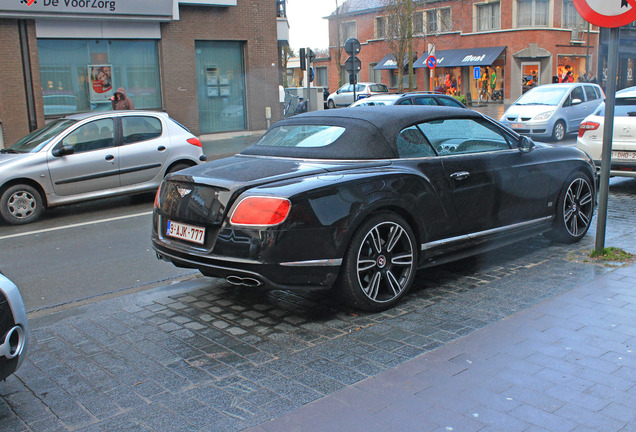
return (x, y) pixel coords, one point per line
(213, 65)
(515, 39)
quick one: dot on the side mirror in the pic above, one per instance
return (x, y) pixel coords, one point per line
(576, 101)
(64, 151)
(525, 144)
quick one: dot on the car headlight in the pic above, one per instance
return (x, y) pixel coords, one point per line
(544, 116)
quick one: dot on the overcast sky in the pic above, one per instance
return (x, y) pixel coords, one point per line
(307, 28)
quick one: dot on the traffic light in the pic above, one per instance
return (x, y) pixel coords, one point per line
(303, 63)
(310, 74)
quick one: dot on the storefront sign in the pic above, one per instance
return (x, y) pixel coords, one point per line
(160, 9)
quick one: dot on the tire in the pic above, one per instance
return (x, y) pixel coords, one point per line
(574, 210)
(177, 167)
(558, 132)
(380, 263)
(331, 104)
(21, 204)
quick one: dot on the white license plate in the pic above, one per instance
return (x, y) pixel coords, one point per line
(517, 126)
(616, 154)
(186, 232)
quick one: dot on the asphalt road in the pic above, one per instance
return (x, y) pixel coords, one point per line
(83, 251)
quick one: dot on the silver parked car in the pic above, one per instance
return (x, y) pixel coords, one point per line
(14, 328)
(92, 155)
(344, 95)
(553, 110)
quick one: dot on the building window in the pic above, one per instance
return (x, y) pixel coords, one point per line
(488, 16)
(321, 77)
(418, 23)
(438, 20)
(532, 13)
(375, 75)
(348, 30)
(381, 27)
(70, 70)
(571, 18)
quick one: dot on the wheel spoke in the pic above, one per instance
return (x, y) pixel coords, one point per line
(568, 214)
(394, 236)
(405, 259)
(393, 283)
(574, 226)
(365, 264)
(584, 219)
(373, 288)
(376, 240)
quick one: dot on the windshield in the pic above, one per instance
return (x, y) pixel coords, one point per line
(624, 107)
(547, 95)
(37, 139)
(300, 136)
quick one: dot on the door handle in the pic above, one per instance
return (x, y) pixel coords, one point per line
(460, 175)
(109, 157)
(161, 148)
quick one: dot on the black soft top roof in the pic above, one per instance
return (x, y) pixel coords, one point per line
(370, 131)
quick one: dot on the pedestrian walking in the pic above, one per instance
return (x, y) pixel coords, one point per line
(121, 101)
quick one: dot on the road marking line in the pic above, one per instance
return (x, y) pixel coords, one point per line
(74, 225)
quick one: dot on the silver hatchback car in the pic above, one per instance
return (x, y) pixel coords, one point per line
(92, 155)
(553, 110)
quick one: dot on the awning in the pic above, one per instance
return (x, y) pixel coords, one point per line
(463, 57)
(388, 62)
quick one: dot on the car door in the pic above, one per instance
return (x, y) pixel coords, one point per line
(344, 95)
(144, 150)
(492, 183)
(575, 111)
(92, 166)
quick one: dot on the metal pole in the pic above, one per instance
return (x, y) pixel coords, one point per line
(608, 129)
(28, 77)
(587, 52)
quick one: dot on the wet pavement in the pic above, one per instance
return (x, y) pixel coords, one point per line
(201, 355)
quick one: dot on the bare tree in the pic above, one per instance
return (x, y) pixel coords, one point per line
(398, 33)
(286, 53)
(338, 16)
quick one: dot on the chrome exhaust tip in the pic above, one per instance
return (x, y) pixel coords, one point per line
(243, 281)
(14, 342)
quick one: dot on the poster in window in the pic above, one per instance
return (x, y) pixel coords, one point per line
(100, 83)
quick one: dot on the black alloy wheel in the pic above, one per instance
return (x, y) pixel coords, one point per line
(380, 264)
(575, 208)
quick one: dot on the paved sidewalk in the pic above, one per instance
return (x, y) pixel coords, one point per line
(566, 364)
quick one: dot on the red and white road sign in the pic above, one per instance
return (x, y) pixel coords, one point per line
(607, 13)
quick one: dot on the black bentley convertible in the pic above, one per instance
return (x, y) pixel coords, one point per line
(359, 199)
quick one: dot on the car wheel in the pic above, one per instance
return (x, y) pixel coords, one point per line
(177, 167)
(575, 208)
(380, 263)
(331, 104)
(20, 204)
(558, 133)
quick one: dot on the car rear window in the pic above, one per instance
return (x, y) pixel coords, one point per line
(379, 88)
(300, 136)
(624, 107)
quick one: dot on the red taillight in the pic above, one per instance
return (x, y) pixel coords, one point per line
(586, 126)
(261, 211)
(157, 196)
(194, 141)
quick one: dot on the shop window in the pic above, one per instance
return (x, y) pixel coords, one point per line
(532, 13)
(81, 75)
(220, 86)
(571, 18)
(488, 16)
(375, 75)
(348, 30)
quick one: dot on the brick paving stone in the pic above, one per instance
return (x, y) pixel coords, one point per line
(233, 358)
